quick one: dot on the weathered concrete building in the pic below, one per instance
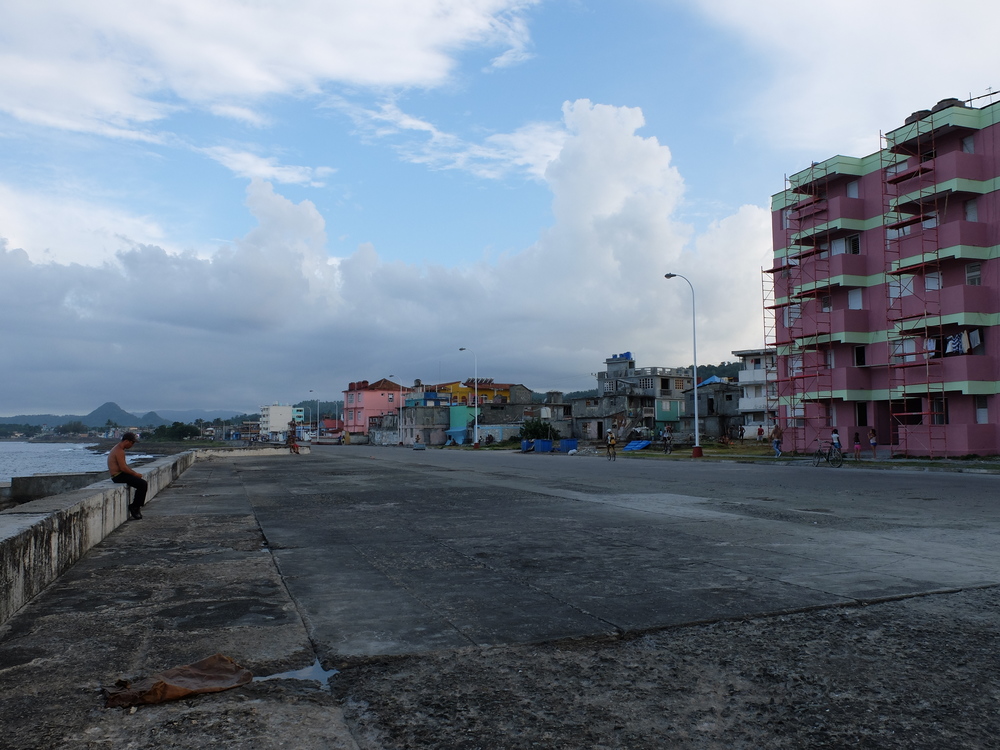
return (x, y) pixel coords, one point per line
(631, 400)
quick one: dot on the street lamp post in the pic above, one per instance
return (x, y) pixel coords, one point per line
(696, 451)
(317, 414)
(475, 412)
(399, 416)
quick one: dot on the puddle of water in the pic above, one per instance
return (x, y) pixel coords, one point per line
(315, 673)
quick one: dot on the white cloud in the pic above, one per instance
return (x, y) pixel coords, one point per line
(271, 315)
(63, 228)
(114, 66)
(252, 166)
(843, 72)
(529, 149)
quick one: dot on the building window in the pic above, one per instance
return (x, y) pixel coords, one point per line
(982, 410)
(390, 397)
(852, 188)
(860, 358)
(973, 274)
(930, 220)
(350, 398)
(646, 383)
(829, 359)
(861, 413)
(932, 281)
(825, 303)
(792, 313)
(901, 286)
(894, 233)
(854, 299)
(678, 384)
(850, 245)
(939, 410)
(968, 145)
(904, 350)
(609, 386)
(756, 364)
(895, 168)
(971, 210)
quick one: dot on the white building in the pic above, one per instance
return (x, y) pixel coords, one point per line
(274, 420)
(758, 381)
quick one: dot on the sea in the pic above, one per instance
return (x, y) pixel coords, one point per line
(21, 459)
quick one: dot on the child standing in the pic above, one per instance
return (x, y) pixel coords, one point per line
(857, 446)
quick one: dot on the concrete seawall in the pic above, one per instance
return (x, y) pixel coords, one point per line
(41, 539)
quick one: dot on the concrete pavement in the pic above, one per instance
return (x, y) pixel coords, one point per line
(357, 552)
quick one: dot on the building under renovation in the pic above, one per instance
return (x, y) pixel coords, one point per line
(885, 290)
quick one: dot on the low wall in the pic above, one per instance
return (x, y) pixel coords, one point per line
(41, 539)
(24, 489)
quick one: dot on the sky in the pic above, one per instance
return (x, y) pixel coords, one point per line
(229, 204)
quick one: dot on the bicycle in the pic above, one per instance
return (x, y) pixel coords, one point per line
(832, 456)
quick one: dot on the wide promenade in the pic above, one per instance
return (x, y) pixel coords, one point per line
(385, 562)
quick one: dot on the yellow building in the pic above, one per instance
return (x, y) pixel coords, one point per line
(461, 393)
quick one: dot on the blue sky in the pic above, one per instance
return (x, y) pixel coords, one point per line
(230, 204)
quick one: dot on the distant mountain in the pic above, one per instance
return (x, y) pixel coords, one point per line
(111, 411)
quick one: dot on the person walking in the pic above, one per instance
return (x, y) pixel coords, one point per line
(612, 455)
(122, 473)
(776, 435)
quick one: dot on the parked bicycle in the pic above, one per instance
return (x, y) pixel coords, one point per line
(831, 455)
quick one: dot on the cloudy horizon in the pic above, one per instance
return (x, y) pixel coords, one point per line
(219, 207)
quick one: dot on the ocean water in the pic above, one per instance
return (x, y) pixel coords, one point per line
(20, 459)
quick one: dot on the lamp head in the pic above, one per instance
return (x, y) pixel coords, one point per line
(461, 348)
(669, 275)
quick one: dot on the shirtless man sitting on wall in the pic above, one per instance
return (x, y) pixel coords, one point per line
(122, 473)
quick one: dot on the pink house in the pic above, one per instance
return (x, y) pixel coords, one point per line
(886, 291)
(364, 401)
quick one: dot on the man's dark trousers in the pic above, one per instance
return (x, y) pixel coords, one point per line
(139, 484)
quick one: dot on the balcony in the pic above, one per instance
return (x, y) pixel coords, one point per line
(753, 403)
(954, 165)
(756, 377)
(855, 321)
(838, 226)
(852, 379)
(950, 370)
(916, 248)
(849, 265)
(969, 299)
(843, 207)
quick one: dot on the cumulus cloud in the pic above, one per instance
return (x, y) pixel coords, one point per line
(62, 227)
(114, 66)
(841, 73)
(272, 315)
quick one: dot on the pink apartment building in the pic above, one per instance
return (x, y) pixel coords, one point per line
(364, 401)
(886, 290)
